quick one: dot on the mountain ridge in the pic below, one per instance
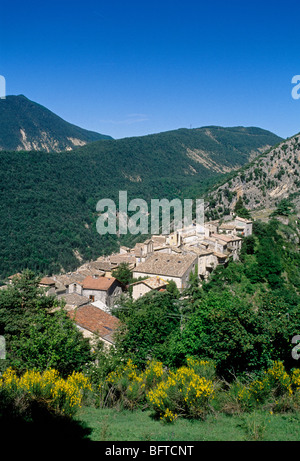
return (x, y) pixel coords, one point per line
(28, 125)
(215, 148)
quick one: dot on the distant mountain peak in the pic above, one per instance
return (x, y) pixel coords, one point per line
(27, 125)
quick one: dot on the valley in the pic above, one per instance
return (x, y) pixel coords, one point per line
(48, 199)
(84, 312)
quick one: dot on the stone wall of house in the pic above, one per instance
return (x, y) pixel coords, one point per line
(95, 295)
(177, 280)
(139, 289)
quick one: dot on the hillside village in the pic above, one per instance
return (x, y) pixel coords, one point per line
(91, 290)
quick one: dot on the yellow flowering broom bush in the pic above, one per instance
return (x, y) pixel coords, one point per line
(276, 388)
(183, 393)
(295, 380)
(63, 395)
(127, 386)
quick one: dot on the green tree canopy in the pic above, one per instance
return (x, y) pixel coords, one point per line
(241, 210)
(147, 325)
(38, 332)
(123, 273)
(284, 208)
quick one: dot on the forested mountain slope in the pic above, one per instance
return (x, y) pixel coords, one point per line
(26, 125)
(48, 200)
(204, 150)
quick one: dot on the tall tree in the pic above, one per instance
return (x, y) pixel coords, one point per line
(241, 210)
(123, 273)
(38, 332)
(147, 325)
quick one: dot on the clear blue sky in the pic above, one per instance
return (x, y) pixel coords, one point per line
(130, 68)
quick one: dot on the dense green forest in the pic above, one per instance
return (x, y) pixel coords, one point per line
(48, 204)
(48, 200)
(224, 147)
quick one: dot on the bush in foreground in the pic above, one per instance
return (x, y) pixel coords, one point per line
(39, 405)
(185, 392)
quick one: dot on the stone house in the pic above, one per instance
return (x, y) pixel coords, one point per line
(227, 228)
(211, 227)
(207, 260)
(243, 226)
(124, 250)
(233, 243)
(143, 250)
(169, 267)
(105, 289)
(49, 284)
(64, 281)
(173, 239)
(214, 243)
(239, 226)
(142, 287)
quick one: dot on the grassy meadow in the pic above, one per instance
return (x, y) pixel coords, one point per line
(126, 425)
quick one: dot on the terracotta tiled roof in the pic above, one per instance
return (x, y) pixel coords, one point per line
(47, 281)
(98, 283)
(96, 321)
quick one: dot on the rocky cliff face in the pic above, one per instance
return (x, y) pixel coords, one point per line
(264, 182)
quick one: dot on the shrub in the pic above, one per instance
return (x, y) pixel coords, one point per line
(64, 396)
(184, 393)
(127, 386)
(275, 389)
